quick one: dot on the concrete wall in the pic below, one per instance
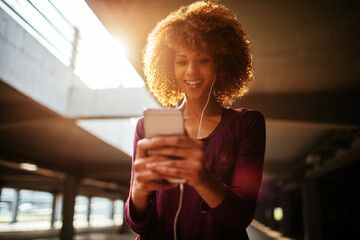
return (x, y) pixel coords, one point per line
(29, 67)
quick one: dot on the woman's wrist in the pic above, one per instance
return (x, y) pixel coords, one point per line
(140, 201)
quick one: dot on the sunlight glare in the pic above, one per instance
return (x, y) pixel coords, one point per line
(100, 62)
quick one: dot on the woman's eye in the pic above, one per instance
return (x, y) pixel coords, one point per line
(180, 62)
(205, 60)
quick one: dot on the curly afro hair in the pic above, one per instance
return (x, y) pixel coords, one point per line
(202, 26)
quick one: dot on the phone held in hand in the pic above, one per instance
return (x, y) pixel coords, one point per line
(162, 122)
(159, 122)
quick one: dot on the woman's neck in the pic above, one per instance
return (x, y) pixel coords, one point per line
(197, 125)
(194, 108)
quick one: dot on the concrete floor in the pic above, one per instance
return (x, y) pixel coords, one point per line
(254, 234)
(256, 231)
(99, 236)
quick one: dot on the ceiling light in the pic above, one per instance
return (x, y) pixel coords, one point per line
(28, 166)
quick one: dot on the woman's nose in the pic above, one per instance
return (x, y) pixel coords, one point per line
(191, 68)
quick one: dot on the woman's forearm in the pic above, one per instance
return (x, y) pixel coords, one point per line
(211, 190)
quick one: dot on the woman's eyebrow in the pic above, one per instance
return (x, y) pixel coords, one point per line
(197, 55)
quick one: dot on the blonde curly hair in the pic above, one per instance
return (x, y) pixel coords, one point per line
(203, 26)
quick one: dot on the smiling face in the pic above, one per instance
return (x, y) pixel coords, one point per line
(194, 72)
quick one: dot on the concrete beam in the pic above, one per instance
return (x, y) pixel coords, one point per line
(109, 103)
(336, 108)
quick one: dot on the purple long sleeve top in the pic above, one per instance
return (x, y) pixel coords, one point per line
(234, 153)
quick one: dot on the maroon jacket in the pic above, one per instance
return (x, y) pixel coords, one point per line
(234, 153)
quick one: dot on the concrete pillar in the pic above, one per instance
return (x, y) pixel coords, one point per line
(286, 222)
(56, 208)
(15, 206)
(70, 188)
(291, 203)
(88, 211)
(58, 211)
(124, 227)
(311, 208)
(53, 209)
(112, 211)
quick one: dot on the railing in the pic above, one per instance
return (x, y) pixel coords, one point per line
(48, 25)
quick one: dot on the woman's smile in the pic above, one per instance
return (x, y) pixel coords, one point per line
(193, 83)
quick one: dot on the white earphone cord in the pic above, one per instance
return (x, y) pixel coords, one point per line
(179, 208)
(181, 184)
(207, 102)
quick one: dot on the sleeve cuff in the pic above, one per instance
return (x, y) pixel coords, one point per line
(139, 225)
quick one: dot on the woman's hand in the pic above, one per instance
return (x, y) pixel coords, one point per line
(147, 180)
(183, 158)
(177, 157)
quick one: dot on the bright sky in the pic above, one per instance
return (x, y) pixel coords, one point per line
(101, 62)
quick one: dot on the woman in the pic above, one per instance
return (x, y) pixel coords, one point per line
(199, 55)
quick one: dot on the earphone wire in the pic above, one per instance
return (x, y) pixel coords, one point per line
(181, 184)
(207, 102)
(179, 208)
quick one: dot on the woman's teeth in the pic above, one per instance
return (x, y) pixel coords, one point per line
(193, 83)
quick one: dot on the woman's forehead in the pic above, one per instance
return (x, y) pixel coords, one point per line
(185, 51)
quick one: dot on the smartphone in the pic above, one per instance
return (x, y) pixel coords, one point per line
(162, 122)
(159, 122)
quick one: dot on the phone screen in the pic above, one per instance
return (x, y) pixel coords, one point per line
(163, 122)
